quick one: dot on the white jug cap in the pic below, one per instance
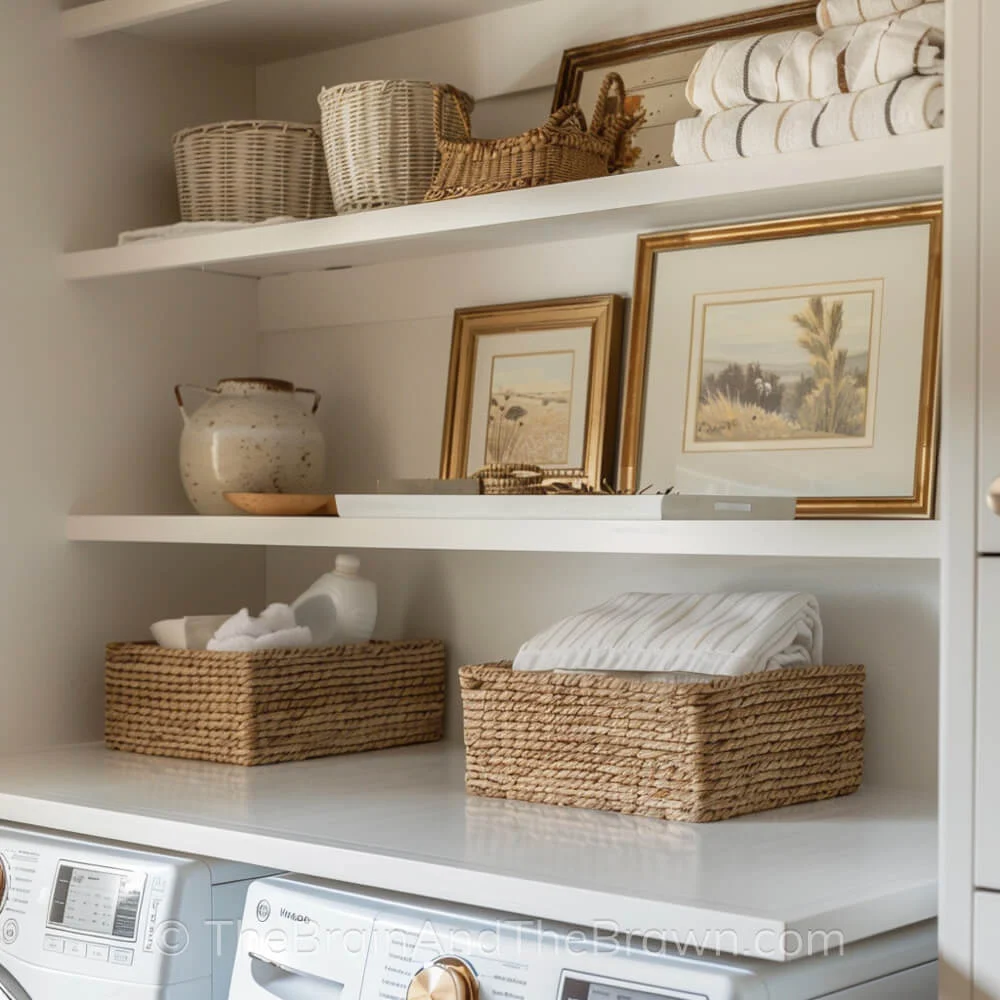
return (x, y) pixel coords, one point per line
(348, 565)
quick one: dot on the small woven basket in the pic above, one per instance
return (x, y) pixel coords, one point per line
(381, 140)
(250, 171)
(513, 479)
(563, 149)
(274, 705)
(697, 752)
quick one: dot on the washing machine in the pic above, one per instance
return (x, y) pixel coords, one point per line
(306, 940)
(88, 920)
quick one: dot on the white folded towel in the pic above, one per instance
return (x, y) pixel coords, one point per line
(804, 65)
(833, 13)
(719, 634)
(274, 629)
(915, 104)
(179, 229)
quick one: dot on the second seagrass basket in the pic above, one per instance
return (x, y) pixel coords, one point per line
(273, 705)
(693, 751)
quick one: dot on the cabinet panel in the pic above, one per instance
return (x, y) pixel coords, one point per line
(988, 732)
(989, 397)
(986, 953)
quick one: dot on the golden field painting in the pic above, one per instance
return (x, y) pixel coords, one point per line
(531, 397)
(784, 371)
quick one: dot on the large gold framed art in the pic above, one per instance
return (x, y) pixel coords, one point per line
(794, 357)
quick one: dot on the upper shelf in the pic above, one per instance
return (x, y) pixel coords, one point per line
(400, 820)
(261, 31)
(896, 170)
(783, 539)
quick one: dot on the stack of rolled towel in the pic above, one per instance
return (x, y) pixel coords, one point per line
(873, 69)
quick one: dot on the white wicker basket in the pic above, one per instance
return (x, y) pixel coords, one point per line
(381, 147)
(249, 171)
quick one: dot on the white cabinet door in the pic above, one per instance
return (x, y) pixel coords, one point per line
(988, 730)
(989, 389)
(986, 946)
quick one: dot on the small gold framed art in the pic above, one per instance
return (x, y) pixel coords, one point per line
(656, 67)
(795, 357)
(536, 383)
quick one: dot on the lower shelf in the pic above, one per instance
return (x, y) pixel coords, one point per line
(400, 820)
(784, 539)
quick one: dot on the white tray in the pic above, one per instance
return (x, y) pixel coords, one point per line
(566, 508)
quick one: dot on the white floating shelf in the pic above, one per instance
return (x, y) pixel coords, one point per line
(265, 30)
(904, 168)
(400, 820)
(785, 539)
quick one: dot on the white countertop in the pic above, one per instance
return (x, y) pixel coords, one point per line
(400, 819)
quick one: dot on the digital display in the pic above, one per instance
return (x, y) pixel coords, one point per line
(581, 989)
(101, 901)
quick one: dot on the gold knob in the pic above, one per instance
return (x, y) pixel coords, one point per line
(444, 979)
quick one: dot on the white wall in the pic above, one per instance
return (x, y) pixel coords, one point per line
(86, 403)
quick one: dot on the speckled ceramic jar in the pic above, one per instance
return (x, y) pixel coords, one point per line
(252, 435)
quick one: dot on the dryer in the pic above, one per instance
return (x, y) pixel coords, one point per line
(88, 920)
(306, 940)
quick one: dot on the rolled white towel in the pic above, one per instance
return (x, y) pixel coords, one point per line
(912, 105)
(298, 637)
(234, 644)
(804, 65)
(833, 13)
(278, 618)
(241, 624)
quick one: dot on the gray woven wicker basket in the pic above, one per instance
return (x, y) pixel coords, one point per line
(278, 705)
(698, 752)
(250, 171)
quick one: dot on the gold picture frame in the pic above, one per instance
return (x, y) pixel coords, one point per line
(681, 322)
(570, 409)
(583, 67)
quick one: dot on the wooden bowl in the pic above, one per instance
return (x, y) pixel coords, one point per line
(283, 504)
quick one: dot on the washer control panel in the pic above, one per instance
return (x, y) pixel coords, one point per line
(103, 911)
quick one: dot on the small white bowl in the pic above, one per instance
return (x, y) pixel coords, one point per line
(192, 632)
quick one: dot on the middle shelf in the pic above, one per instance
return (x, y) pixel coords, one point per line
(782, 539)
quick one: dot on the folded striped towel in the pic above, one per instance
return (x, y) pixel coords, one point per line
(718, 634)
(915, 104)
(804, 65)
(833, 13)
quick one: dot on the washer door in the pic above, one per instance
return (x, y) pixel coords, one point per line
(10, 988)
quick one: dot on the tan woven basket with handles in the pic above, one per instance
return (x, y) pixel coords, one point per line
(381, 140)
(563, 149)
(274, 705)
(698, 752)
(249, 171)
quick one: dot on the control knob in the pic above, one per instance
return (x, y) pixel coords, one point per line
(444, 979)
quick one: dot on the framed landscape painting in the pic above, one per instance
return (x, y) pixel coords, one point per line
(537, 384)
(797, 357)
(655, 67)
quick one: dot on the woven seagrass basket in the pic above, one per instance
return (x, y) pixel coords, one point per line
(562, 149)
(274, 705)
(380, 140)
(249, 171)
(697, 752)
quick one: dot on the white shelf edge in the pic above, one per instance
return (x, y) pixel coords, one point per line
(782, 539)
(896, 170)
(103, 16)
